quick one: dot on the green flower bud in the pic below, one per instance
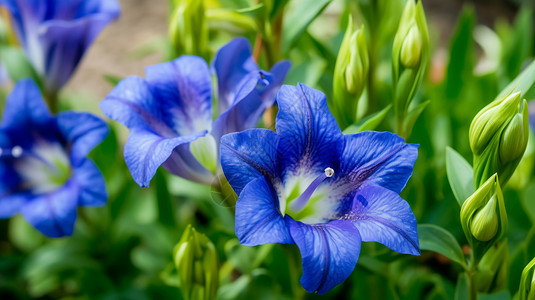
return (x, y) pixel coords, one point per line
(196, 262)
(492, 271)
(410, 57)
(527, 282)
(350, 74)
(412, 48)
(483, 217)
(188, 29)
(204, 149)
(498, 137)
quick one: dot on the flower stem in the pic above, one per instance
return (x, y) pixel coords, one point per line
(472, 289)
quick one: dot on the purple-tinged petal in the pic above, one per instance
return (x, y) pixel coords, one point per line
(11, 204)
(383, 216)
(248, 155)
(382, 158)
(82, 131)
(25, 107)
(531, 110)
(232, 63)
(182, 163)
(91, 184)
(258, 219)
(132, 104)
(145, 151)
(54, 213)
(310, 138)
(329, 251)
(183, 90)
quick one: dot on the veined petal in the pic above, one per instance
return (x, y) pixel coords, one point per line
(183, 89)
(258, 219)
(383, 216)
(382, 158)
(329, 251)
(133, 105)
(310, 138)
(231, 64)
(248, 155)
(25, 107)
(54, 213)
(91, 183)
(145, 151)
(83, 131)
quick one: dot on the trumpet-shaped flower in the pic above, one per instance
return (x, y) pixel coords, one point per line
(309, 184)
(44, 172)
(56, 33)
(169, 113)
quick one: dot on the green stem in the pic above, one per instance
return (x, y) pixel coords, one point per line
(472, 288)
(52, 101)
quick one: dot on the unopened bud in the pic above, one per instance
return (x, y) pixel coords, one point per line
(483, 216)
(527, 282)
(412, 48)
(196, 262)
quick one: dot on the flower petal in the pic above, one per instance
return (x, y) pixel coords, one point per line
(231, 64)
(274, 78)
(10, 205)
(382, 158)
(310, 138)
(258, 219)
(383, 216)
(183, 89)
(329, 251)
(83, 131)
(91, 183)
(25, 108)
(54, 213)
(182, 163)
(248, 155)
(145, 151)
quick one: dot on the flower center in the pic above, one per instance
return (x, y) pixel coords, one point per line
(298, 204)
(42, 169)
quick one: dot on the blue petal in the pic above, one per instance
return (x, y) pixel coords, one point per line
(91, 184)
(145, 151)
(383, 216)
(258, 219)
(25, 108)
(329, 251)
(132, 104)
(231, 64)
(183, 164)
(82, 131)
(381, 158)
(10, 205)
(274, 78)
(53, 214)
(310, 138)
(183, 89)
(248, 155)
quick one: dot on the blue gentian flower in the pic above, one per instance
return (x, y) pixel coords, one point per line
(531, 110)
(45, 174)
(56, 33)
(309, 184)
(169, 113)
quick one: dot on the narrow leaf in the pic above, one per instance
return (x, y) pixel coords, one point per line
(522, 82)
(460, 175)
(437, 239)
(369, 123)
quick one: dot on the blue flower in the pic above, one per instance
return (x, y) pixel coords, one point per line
(169, 113)
(56, 33)
(531, 110)
(44, 172)
(309, 184)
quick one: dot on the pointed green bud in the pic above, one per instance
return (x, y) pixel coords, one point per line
(197, 263)
(204, 149)
(499, 136)
(412, 48)
(350, 74)
(188, 29)
(493, 269)
(527, 282)
(483, 217)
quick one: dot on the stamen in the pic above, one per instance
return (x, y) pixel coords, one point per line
(300, 203)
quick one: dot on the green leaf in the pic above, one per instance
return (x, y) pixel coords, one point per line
(369, 123)
(528, 203)
(297, 21)
(413, 115)
(522, 82)
(504, 295)
(112, 79)
(17, 64)
(460, 175)
(461, 291)
(437, 239)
